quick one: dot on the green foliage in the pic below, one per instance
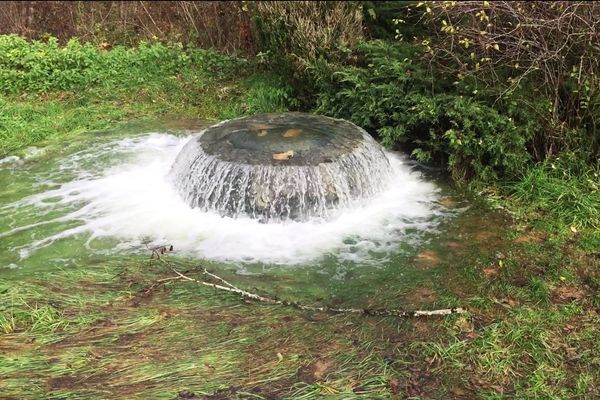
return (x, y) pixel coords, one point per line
(390, 20)
(390, 93)
(48, 91)
(564, 188)
(38, 66)
(262, 93)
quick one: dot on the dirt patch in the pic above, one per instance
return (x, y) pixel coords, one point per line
(485, 235)
(454, 245)
(529, 238)
(566, 294)
(64, 382)
(427, 259)
(316, 371)
(421, 296)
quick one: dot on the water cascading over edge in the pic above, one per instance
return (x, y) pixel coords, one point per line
(277, 167)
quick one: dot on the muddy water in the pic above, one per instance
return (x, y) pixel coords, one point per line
(106, 197)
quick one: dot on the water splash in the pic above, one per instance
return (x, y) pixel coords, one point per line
(231, 170)
(118, 196)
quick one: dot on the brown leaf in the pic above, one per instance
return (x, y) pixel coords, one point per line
(471, 335)
(321, 367)
(489, 271)
(293, 132)
(458, 391)
(509, 302)
(394, 386)
(286, 155)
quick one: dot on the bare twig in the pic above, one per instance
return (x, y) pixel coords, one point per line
(228, 287)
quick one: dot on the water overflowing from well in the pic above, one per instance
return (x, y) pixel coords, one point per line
(111, 194)
(277, 167)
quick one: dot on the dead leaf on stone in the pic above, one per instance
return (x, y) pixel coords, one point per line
(286, 155)
(262, 133)
(292, 132)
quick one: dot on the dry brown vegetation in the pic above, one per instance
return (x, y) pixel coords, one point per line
(222, 25)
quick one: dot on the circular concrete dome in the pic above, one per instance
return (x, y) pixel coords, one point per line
(280, 166)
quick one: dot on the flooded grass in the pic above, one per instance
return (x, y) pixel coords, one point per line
(106, 332)
(80, 322)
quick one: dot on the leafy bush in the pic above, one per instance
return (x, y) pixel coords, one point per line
(535, 52)
(389, 92)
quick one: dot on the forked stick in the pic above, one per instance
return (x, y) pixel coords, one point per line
(157, 253)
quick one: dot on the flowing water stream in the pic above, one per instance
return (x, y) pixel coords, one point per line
(110, 195)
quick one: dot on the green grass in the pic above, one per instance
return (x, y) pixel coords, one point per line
(107, 336)
(50, 93)
(569, 198)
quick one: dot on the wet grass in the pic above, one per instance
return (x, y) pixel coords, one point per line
(108, 331)
(41, 119)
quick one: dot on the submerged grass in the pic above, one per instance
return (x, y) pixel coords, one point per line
(106, 332)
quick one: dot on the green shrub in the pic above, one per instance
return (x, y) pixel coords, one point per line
(389, 92)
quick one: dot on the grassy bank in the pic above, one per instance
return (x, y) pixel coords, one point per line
(49, 92)
(118, 330)
(123, 329)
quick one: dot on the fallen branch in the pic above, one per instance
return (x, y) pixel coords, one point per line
(228, 287)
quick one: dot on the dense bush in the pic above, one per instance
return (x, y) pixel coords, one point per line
(389, 92)
(42, 66)
(536, 52)
(307, 30)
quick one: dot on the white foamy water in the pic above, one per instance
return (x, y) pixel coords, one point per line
(134, 201)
